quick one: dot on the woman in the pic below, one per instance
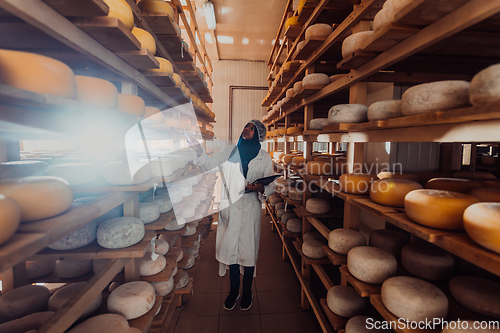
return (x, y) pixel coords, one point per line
(238, 229)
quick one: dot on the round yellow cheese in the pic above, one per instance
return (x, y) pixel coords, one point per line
(287, 159)
(121, 10)
(177, 79)
(452, 184)
(131, 104)
(319, 167)
(165, 66)
(482, 224)
(476, 175)
(150, 110)
(486, 194)
(290, 93)
(9, 219)
(397, 175)
(146, 39)
(157, 7)
(292, 21)
(438, 209)
(36, 73)
(298, 161)
(356, 183)
(282, 131)
(38, 197)
(392, 192)
(96, 91)
(294, 130)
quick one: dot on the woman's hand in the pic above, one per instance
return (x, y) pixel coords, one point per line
(256, 187)
(194, 144)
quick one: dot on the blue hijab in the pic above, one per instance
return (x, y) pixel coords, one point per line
(247, 149)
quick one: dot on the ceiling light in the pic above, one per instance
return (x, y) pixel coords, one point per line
(208, 8)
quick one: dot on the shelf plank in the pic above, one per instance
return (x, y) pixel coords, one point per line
(143, 323)
(187, 289)
(322, 229)
(356, 59)
(363, 289)
(110, 32)
(177, 50)
(402, 221)
(81, 8)
(388, 36)
(335, 258)
(161, 79)
(371, 125)
(310, 46)
(337, 322)
(20, 247)
(374, 208)
(323, 276)
(160, 24)
(341, 127)
(307, 260)
(141, 59)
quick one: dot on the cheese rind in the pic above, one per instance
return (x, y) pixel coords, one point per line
(132, 299)
(121, 10)
(356, 183)
(347, 113)
(452, 184)
(163, 288)
(371, 264)
(355, 42)
(148, 266)
(313, 249)
(477, 294)
(343, 240)
(427, 261)
(96, 91)
(482, 224)
(485, 87)
(163, 202)
(105, 323)
(318, 30)
(145, 38)
(317, 206)
(345, 301)
(60, 297)
(149, 212)
(294, 225)
(130, 104)
(23, 301)
(315, 79)
(120, 232)
(39, 268)
(392, 192)
(68, 269)
(384, 110)
(78, 238)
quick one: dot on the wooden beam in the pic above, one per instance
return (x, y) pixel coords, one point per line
(214, 36)
(283, 19)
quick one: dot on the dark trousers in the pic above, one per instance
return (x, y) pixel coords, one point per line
(234, 278)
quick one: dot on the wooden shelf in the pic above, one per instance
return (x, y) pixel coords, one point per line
(302, 212)
(162, 221)
(307, 260)
(402, 221)
(337, 322)
(309, 47)
(160, 24)
(187, 289)
(335, 258)
(363, 289)
(20, 247)
(189, 241)
(143, 323)
(80, 8)
(374, 208)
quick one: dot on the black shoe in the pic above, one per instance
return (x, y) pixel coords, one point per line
(230, 301)
(246, 301)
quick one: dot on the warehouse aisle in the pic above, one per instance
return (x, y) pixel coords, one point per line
(276, 295)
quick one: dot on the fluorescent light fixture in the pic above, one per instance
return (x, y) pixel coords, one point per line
(208, 8)
(225, 39)
(245, 41)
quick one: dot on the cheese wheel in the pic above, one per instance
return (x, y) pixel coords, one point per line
(183, 281)
(345, 301)
(69, 269)
(435, 96)
(486, 194)
(317, 206)
(149, 212)
(121, 10)
(130, 104)
(398, 175)
(335, 77)
(159, 8)
(485, 87)
(163, 288)
(177, 79)
(482, 224)
(356, 183)
(39, 268)
(467, 326)
(298, 161)
(475, 175)
(392, 192)
(36, 73)
(413, 299)
(360, 324)
(371, 264)
(382, 18)
(347, 113)
(297, 86)
(81, 237)
(190, 262)
(148, 266)
(313, 249)
(105, 323)
(427, 261)
(146, 39)
(319, 168)
(190, 230)
(290, 93)
(294, 130)
(292, 21)
(438, 209)
(384, 110)
(280, 212)
(163, 202)
(17, 169)
(132, 299)
(27, 323)
(287, 159)
(279, 206)
(355, 42)
(10, 218)
(300, 45)
(60, 297)
(161, 247)
(118, 173)
(38, 197)
(295, 194)
(74, 173)
(23, 301)
(165, 66)
(313, 235)
(318, 30)
(390, 240)
(96, 91)
(294, 225)
(318, 123)
(315, 80)
(477, 294)
(120, 232)
(343, 240)
(452, 184)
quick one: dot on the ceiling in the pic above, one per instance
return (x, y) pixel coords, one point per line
(245, 29)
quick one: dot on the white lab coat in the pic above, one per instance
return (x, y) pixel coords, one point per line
(238, 229)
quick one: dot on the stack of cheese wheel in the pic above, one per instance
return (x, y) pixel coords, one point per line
(60, 297)
(484, 87)
(323, 167)
(95, 91)
(477, 294)
(131, 104)
(163, 288)
(481, 224)
(356, 183)
(287, 216)
(452, 184)
(435, 96)
(347, 113)
(146, 39)
(132, 299)
(121, 10)
(46, 75)
(390, 240)
(414, 299)
(317, 206)
(356, 42)
(313, 249)
(345, 301)
(371, 264)
(384, 110)
(108, 322)
(343, 240)
(392, 192)
(315, 80)
(438, 209)
(318, 31)
(37, 197)
(427, 261)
